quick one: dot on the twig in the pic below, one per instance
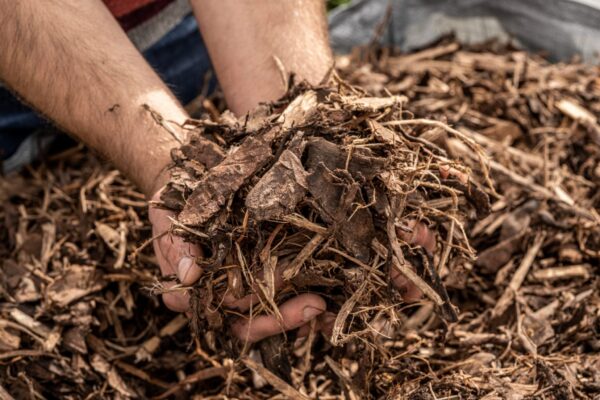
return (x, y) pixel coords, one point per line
(470, 142)
(527, 183)
(188, 229)
(294, 267)
(352, 391)
(26, 353)
(344, 311)
(447, 247)
(130, 369)
(159, 119)
(202, 375)
(519, 277)
(275, 381)
(568, 272)
(4, 395)
(282, 72)
(399, 263)
(300, 222)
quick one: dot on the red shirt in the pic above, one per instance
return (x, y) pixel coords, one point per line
(131, 13)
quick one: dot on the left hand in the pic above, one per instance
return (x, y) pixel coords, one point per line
(177, 258)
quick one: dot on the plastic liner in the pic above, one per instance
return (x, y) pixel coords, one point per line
(560, 28)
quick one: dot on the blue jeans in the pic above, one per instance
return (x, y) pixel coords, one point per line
(180, 59)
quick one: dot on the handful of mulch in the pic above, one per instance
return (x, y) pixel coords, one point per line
(321, 187)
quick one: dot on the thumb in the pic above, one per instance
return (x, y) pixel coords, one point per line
(175, 256)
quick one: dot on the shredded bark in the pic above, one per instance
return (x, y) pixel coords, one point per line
(493, 149)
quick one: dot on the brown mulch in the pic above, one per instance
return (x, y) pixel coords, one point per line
(79, 315)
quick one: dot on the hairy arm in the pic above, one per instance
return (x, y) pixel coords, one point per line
(242, 38)
(72, 61)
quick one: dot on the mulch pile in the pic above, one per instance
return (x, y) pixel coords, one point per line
(495, 150)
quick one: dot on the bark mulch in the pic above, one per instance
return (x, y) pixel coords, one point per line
(495, 150)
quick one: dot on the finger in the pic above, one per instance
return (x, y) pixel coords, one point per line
(400, 281)
(304, 330)
(181, 256)
(295, 313)
(176, 301)
(178, 257)
(244, 303)
(447, 171)
(409, 292)
(419, 235)
(165, 267)
(326, 322)
(413, 294)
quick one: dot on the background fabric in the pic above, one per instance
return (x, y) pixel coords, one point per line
(563, 28)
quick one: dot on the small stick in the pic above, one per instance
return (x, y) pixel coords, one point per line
(312, 333)
(294, 267)
(344, 311)
(143, 375)
(383, 252)
(172, 327)
(188, 229)
(352, 391)
(283, 74)
(519, 277)
(26, 353)
(208, 373)
(283, 387)
(300, 222)
(400, 265)
(527, 183)
(469, 141)
(426, 54)
(4, 395)
(529, 159)
(366, 267)
(159, 119)
(447, 248)
(568, 272)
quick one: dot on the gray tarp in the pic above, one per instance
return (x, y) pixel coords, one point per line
(563, 28)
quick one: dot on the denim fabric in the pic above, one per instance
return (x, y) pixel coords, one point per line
(180, 59)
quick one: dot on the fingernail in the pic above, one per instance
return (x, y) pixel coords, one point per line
(309, 313)
(183, 268)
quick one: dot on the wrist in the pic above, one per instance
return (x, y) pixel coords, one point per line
(156, 183)
(161, 132)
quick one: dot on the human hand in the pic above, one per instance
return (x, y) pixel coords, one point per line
(415, 233)
(175, 257)
(178, 258)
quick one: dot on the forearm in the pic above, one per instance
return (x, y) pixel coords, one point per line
(243, 36)
(71, 61)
